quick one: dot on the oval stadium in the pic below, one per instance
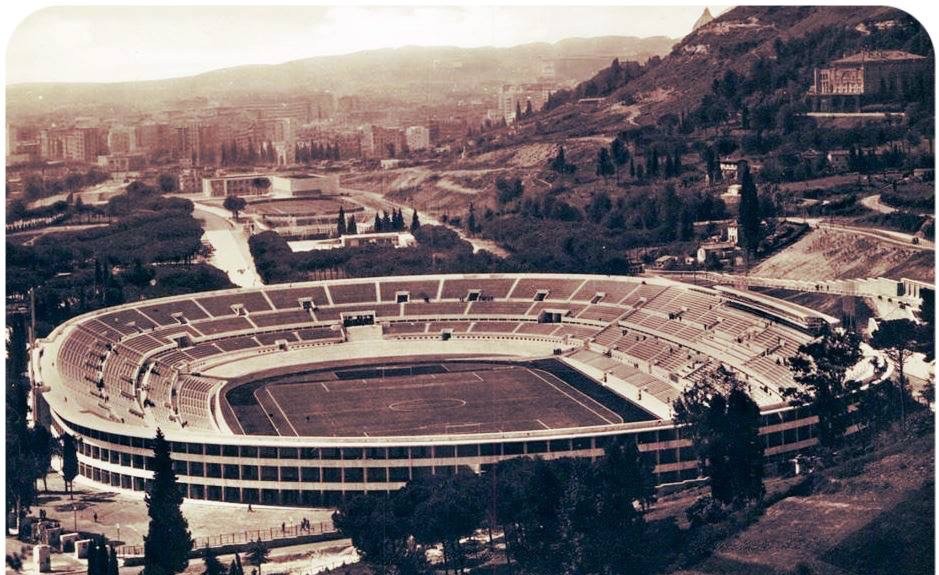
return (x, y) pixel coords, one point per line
(302, 394)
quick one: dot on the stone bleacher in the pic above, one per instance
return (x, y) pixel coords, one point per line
(459, 288)
(353, 293)
(221, 305)
(417, 290)
(558, 289)
(290, 297)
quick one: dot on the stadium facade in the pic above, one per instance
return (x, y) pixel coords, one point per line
(112, 377)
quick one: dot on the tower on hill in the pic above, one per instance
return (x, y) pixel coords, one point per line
(703, 19)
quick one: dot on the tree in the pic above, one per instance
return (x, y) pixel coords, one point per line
(69, 462)
(471, 219)
(528, 110)
(559, 163)
(518, 112)
(168, 541)
(257, 554)
(42, 447)
(167, 183)
(898, 338)
(745, 448)
(605, 167)
(352, 227)
(415, 221)
(819, 367)
(691, 411)
(377, 227)
(234, 204)
(261, 184)
(748, 219)
(113, 566)
(341, 222)
(212, 565)
(235, 567)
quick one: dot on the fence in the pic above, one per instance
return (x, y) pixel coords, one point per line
(243, 537)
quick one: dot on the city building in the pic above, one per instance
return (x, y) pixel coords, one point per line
(379, 142)
(418, 138)
(300, 185)
(255, 184)
(517, 96)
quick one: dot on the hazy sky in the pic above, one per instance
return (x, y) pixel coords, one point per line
(112, 43)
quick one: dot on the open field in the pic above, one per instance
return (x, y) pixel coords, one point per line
(417, 399)
(304, 207)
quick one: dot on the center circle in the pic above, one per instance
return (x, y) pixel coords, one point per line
(424, 404)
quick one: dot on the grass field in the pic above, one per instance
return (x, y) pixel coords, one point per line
(418, 399)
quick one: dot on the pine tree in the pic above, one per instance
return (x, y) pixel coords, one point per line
(69, 462)
(258, 554)
(168, 542)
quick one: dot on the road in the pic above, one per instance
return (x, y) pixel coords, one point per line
(376, 201)
(874, 203)
(230, 242)
(899, 239)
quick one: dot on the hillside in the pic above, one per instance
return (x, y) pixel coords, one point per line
(385, 72)
(831, 254)
(772, 49)
(870, 515)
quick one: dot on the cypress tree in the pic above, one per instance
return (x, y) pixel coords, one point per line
(92, 552)
(113, 568)
(168, 542)
(415, 222)
(341, 223)
(351, 228)
(377, 227)
(749, 215)
(212, 565)
(69, 462)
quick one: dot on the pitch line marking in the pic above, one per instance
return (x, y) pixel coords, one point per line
(281, 410)
(323, 383)
(542, 423)
(263, 407)
(572, 398)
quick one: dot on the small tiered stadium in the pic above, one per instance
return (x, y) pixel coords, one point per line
(302, 394)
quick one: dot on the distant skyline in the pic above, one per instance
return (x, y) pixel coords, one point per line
(128, 43)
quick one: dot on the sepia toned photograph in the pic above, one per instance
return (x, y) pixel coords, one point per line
(462, 289)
